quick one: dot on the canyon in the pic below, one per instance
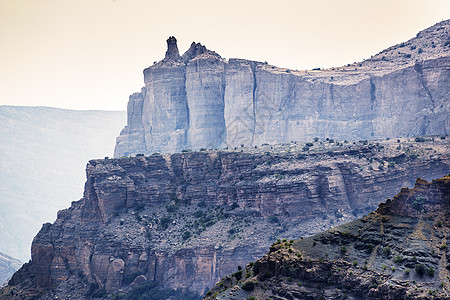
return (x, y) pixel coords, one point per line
(185, 220)
(201, 100)
(224, 160)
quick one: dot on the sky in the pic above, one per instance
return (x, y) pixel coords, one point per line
(89, 54)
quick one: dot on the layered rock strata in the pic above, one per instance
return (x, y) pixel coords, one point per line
(200, 100)
(185, 220)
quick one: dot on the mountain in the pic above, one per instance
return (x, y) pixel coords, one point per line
(42, 159)
(167, 224)
(8, 265)
(201, 100)
(398, 251)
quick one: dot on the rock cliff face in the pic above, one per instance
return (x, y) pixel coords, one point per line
(397, 252)
(185, 220)
(200, 100)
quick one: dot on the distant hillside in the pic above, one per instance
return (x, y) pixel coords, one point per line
(43, 155)
(8, 265)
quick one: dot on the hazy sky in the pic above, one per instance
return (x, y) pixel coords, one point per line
(89, 54)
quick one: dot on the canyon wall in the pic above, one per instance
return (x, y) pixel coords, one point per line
(185, 220)
(201, 100)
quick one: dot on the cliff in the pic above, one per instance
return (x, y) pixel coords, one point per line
(43, 154)
(201, 100)
(398, 252)
(183, 221)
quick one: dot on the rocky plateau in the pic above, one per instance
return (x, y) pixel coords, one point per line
(201, 100)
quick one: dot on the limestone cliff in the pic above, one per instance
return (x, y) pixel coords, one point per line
(185, 220)
(200, 100)
(397, 252)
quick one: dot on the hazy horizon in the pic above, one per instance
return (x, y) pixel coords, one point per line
(88, 55)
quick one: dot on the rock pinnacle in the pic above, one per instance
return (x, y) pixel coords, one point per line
(172, 49)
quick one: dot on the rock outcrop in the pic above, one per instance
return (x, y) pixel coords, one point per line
(397, 252)
(200, 100)
(185, 220)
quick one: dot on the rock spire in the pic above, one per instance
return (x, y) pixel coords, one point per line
(172, 52)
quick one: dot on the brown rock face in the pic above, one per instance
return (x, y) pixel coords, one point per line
(205, 101)
(186, 220)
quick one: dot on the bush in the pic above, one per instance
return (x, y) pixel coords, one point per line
(164, 223)
(343, 249)
(420, 269)
(249, 286)
(186, 235)
(237, 275)
(398, 258)
(234, 206)
(232, 231)
(274, 219)
(419, 139)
